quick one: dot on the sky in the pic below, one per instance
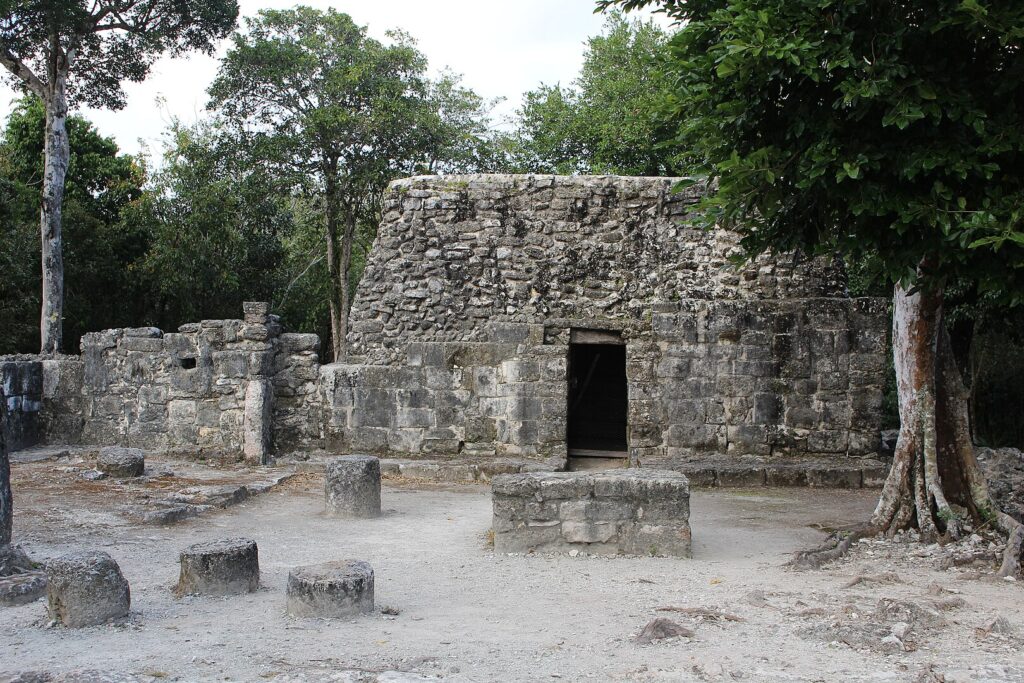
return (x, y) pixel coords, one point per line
(502, 49)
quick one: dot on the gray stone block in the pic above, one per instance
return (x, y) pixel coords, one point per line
(632, 511)
(115, 461)
(225, 567)
(86, 588)
(352, 486)
(331, 590)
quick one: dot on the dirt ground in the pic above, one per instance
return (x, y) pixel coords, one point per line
(466, 614)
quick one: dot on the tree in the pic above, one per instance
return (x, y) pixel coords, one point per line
(611, 119)
(217, 221)
(339, 113)
(890, 131)
(104, 250)
(81, 50)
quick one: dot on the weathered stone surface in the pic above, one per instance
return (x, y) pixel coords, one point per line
(473, 292)
(115, 461)
(86, 588)
(352, 486)
(332, 589)
(257, 425)
(630, 511)
(223, 567)
(14, 560)
(21, 589)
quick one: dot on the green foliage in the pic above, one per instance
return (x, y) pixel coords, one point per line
(336, 115)
(102, 42)
(613, 117)
(103, 249)
(217, 219)
(885, 131)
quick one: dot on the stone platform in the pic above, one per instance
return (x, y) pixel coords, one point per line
(611, 512)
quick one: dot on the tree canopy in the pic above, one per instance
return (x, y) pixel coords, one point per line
(103, 43)
(885, 131)
(79, 51)
(342, 114)
(890, 133)
(613, 117)
(104, 250)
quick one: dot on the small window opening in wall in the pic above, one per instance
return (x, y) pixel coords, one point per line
(188, 362)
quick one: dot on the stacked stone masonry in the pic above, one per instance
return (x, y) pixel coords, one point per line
(476, 285)
(625, 511)
(460, 333)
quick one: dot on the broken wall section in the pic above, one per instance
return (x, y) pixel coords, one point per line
(44, 399)
(217, 387)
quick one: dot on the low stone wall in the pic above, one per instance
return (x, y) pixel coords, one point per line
(218, 386)
(633, 512)
(44, 399)
(21, 382)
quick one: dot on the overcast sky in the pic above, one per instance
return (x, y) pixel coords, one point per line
(502, 49)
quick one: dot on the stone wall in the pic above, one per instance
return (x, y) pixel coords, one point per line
(43, 397)
(462, 323)
(217, 386)
(460, 336)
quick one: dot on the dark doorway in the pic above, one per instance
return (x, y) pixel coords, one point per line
(597, 400)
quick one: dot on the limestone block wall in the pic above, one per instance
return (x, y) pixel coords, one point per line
(43, 396)
(462, 323)
(217, 385)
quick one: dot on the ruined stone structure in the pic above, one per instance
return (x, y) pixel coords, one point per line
(487, 299)
(620, 511)
(527, 316)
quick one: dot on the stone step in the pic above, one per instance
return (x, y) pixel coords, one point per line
(811, 474)
(708, 473)
(196, 500)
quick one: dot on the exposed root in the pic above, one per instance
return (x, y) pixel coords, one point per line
(1014, 545)
(703, 612)
(832, 549)
(888, 577)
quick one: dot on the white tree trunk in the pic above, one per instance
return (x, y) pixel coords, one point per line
(934, 465)
(57, 154)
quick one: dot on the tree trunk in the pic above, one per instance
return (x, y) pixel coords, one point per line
(935, 484)
(6, 500)
(337, 268)
(56, 156)
(346, 267)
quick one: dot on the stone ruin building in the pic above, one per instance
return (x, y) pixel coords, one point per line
(534, 317)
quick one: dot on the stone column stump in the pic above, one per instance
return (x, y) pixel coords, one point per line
(121, 463)
(332, 589)
(86, 588)
(225, 567)
(352, 486)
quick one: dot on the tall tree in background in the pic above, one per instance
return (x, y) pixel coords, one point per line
(104, 249)
(892, 131)
(217, 220)
(612, 119)
(81, 50)
(340, 113)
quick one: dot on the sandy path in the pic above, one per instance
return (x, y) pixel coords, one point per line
(468, 615)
